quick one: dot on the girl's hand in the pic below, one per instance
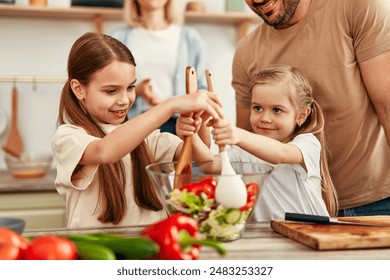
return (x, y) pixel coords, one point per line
(225, 133)
(202, 103)
(187, 126)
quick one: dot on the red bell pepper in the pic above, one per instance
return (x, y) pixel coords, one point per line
(177, 237)
(252, 189)
(207, 186)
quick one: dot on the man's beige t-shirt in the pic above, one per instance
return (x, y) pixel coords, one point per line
(327, 46)
(81, 195)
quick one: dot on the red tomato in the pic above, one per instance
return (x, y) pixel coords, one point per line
(211, 182)
(50, 247)
(11, 244)
(252, 189)
(206, 186)
(9, 252)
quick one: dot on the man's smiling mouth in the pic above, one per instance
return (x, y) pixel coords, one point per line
(266, 6)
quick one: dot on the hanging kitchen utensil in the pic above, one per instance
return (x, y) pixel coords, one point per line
(14, 144)
(3, 121)
(184, 164)
(231, 190)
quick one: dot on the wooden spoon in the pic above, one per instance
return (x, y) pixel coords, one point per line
(14, 144)
(231, 190)
(184, 164)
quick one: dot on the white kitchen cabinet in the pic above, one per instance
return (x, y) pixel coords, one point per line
(40, 210)
(34, 200)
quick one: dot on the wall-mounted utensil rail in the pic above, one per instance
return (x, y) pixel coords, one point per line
(33, 79)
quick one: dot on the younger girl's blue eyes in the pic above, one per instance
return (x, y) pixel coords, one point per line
(257, 108)
(277, 110)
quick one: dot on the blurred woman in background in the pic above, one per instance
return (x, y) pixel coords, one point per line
(164, 47)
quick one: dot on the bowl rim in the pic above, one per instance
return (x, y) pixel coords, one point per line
(29, 155)
(202, 175)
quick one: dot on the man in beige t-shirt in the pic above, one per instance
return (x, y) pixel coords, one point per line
(343, 47)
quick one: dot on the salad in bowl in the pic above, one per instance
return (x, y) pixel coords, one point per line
(197, 198)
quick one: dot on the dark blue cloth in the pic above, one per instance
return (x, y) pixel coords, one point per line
(381, 207)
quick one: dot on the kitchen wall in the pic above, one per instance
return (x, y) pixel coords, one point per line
(41, 46)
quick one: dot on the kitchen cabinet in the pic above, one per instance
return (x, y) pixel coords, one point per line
(241, 20)
(34, 200)
(40, 210)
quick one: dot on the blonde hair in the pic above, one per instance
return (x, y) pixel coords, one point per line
(302, 97)
(133, 17)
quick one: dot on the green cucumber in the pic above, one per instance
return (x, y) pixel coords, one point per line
(134, 248)
(233, 216)
(91, 251)
(92, 237)
(131, 248)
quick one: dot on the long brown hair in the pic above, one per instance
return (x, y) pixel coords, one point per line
(302, 97)
(90, 53)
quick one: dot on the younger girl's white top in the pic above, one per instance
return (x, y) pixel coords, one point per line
(289, 187)
(81, 191)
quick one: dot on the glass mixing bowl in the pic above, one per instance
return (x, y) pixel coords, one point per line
(28, 165)
(196, 197)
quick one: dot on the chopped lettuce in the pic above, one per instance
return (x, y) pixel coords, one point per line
(211, 216)
(193, 203)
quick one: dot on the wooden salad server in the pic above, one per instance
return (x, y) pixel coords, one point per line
(14, 144)
(231, 190)
(184, 164)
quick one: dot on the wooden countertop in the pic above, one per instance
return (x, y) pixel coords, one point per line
(259, 242)
(10, 184)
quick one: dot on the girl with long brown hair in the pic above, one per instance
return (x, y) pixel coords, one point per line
(101, 156)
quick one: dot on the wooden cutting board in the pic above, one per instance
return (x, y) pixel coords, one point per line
(338, 237)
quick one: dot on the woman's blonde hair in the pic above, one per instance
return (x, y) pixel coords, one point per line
(89, 54)
(133, 17)
(302, 97)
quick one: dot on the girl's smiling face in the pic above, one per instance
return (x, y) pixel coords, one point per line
(272, 113)
(109, 94)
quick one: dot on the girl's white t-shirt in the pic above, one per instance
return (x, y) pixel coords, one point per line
(81, 193)
(289, 187)
(155, 53)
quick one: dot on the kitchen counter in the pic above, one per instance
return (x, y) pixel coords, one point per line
(10, 184)
(258, 242)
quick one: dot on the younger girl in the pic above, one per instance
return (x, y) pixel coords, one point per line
(288, 132)
(101, 157)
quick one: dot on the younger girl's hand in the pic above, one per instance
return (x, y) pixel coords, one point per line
(225, 133)
(187, 126)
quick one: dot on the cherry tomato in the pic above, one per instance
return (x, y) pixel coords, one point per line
(211, 182)
(12, 244)
(252, 189)
(206, 186)
(9, 252)
(50, 247)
